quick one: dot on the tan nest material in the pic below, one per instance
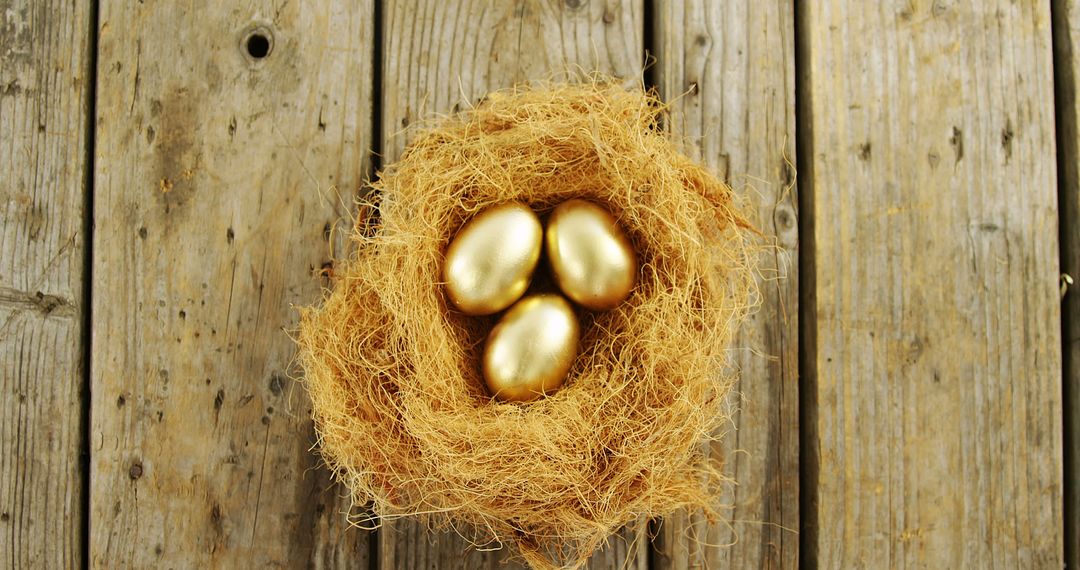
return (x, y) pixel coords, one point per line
(393, 370)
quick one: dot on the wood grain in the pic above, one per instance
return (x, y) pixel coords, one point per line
(934, 348)
(728, 70)
(1066, 23)
(219, 179)
(441, 55)
(44, 103)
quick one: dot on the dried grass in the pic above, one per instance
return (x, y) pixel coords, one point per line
(393, 372)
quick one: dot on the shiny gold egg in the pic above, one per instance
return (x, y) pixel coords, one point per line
(490, 262)
(592, 259)
(531, 349)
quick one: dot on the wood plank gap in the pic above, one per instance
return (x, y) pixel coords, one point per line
(377, 64)
(375, 163)
(86, 325)
(1068, 205)
(650, 61)
(808, 451)
(650, 78)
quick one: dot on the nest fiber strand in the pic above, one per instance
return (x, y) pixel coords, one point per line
(392, 368)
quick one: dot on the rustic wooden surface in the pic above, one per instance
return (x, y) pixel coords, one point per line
(934, 322)
(1066, 23)
(219, 178)
(44, 97)
(729, 70)
(927, 427)
(442, 55)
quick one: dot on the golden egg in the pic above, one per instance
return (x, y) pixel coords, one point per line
(531, 349)
(491, 260)
(592, 259)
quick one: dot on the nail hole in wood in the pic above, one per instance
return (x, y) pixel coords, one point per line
(258, 44)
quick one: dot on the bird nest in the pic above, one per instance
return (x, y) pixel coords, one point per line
(392, 369)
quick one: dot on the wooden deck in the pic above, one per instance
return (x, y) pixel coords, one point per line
(170, 192)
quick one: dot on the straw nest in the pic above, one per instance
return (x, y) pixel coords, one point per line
(392, 369)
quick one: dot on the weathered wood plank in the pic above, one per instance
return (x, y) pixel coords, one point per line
(442, 53)
(728, 69)
(44, 103)
(1066, 24)
(220, 176)
(934, 353)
